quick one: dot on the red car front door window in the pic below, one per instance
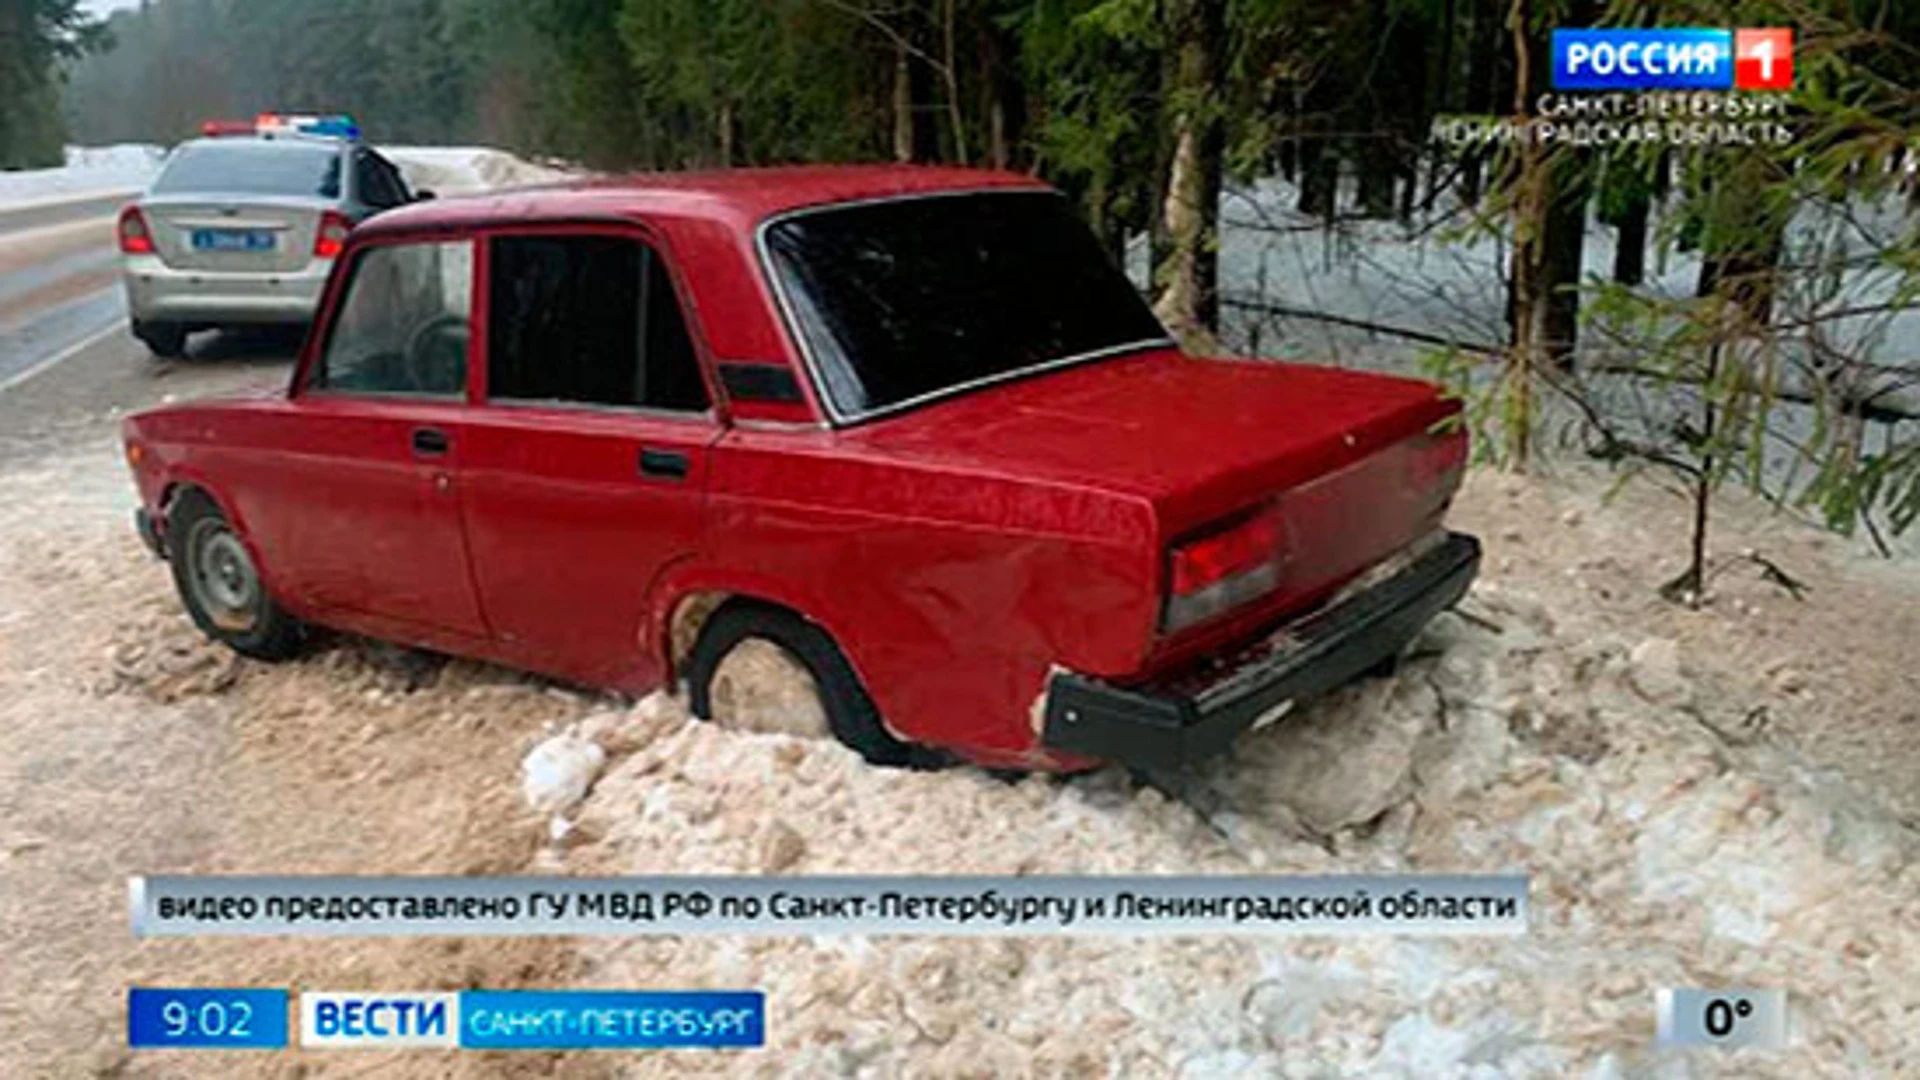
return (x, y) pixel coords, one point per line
(371, 471)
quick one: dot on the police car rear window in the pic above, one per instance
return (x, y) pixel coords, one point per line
(252, 169)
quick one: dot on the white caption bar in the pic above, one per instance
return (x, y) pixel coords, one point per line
(527, 906)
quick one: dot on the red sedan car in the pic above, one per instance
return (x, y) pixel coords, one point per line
(906, 430)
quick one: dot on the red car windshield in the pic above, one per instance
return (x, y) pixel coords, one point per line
(904, 300)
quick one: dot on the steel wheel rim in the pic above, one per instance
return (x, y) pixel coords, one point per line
(223, 577)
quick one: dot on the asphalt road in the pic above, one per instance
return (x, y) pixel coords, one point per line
(200, 762)
(68, 366)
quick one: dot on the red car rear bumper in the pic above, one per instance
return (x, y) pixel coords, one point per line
(1178, 721)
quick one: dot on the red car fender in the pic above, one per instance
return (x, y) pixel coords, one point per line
(692, 576)
(180, 475)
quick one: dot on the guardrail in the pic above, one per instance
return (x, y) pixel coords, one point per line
(61, 209)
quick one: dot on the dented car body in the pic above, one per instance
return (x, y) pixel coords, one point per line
(917, 408)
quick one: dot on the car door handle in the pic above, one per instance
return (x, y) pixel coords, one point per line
(665, 464)
(430, 442)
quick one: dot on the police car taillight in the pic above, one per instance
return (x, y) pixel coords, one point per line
(134, 237)
(331, 236)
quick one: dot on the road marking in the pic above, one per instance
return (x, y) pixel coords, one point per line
(67, 353)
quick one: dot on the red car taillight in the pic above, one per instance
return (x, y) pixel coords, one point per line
(1440, 459)
(1223, 570)
(331, 236)
(134, 237)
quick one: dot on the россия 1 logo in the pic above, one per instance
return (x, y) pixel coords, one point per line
(1677, 59)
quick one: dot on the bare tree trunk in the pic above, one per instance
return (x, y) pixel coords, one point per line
(1563, 245)
(1564, 234)
(1526, 281)
(1691, 586)
(997, 134)
(902, 103)
(1485, 65)
(1630, 249)
(992, 102)
(725, 124)
(1319, 177)
(1189, 301)
(1377, 173)
(950, 74)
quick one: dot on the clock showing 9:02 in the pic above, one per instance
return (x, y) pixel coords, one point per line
(199, 1017)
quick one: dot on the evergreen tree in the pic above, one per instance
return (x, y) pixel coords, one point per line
(36, 36)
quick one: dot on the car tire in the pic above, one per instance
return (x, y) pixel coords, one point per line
(165, 340)
(850, 712)
(221, 587)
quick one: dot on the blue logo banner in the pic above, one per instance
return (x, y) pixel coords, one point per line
(1642, 59)
(610, 1019)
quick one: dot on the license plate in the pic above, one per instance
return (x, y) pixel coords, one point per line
(232, 240)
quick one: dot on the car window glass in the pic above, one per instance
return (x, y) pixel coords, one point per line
(396, 183)
(377, 188)
(587, 320)
(252, 168)
(404, 323)
(900, 301)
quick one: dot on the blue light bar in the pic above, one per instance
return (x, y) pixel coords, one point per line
(338, 126)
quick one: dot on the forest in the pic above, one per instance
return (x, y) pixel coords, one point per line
(1783, 358)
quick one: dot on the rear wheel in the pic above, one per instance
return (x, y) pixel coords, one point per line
(763, 668)
(166, 340)
(221, 586)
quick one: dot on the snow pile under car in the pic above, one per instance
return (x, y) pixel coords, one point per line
(1663, 852)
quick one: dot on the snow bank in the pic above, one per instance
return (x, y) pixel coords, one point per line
(461, 170)
(1436, 275)
(556, 773)
(89, 170)
(1661, 854)
(447, 170)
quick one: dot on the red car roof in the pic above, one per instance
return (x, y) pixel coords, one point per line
(745, 196)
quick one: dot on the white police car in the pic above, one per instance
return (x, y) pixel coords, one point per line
(242, 226)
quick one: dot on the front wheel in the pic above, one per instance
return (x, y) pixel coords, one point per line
(221, 586)
(764, 668)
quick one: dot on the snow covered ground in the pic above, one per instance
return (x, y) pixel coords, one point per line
(462, 170)
(90, 170)
(1437, 276)
(447, 170)
(1718, 798)
(1673, 783)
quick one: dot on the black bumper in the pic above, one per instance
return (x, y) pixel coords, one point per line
(1164, 727)
(149, 535)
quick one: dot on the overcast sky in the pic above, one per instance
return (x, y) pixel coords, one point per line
(101, 7)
